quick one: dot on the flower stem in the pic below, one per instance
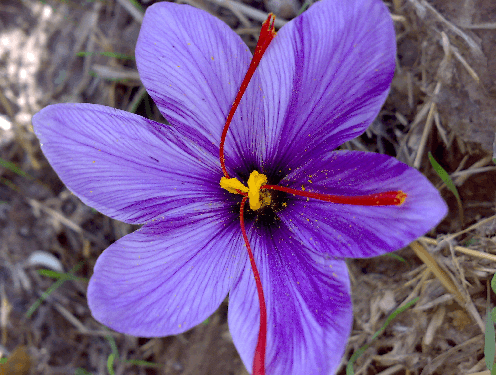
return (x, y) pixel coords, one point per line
(376, 199)
(259, 358)
(267, 33)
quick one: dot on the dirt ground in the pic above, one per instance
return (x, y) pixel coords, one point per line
(443, 100)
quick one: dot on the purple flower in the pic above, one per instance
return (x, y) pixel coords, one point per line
(320, 83)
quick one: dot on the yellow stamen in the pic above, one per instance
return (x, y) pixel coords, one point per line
(255, 181)
(232, 185)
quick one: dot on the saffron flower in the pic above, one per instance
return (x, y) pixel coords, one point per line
(248, 199)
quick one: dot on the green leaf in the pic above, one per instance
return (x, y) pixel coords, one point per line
(361, 350)
(489, 344)
(113, 346)
(106, 53)
(449, 183)
(113, 356)
(148, 107)
(396, 257)
(137, 5)
(137, 102)
(493, 315)
(13, 167)
(143, 363)
(493, 283)
(9, 184)
(110, 364)
(304, 7)
(81, 371)
(443, 175)
(56, 275)
(50, 274)
(470, 242)
(51, 289)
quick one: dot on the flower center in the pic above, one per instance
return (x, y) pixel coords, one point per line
(258, 198)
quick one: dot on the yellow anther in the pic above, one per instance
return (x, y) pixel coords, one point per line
(232, 185)
(255, 181)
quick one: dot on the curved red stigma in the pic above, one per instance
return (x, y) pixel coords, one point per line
(259, 358)
(267, 33)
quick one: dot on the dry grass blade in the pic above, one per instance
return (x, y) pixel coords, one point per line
(132, 10)
(422, 5)
(392, 370)
(427, 128)
(6, 105)
(436, 322)
(436, 362)
(472, 171)
(251, 12)
(464, 300)
(440, 274)
(71, 318)
(110, 73)
(5, 310)
(489, 25)
(467, 251)
(480, 163)
(473, 227)
(56, 215)
(464, 62)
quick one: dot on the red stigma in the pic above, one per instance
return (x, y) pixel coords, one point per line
(375, 199)
(259, 358)
(267, 33)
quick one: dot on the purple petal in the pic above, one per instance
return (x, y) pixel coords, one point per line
(325, 77)
(129, 168)
(192, 65)
(308, 307)
(166, 277)
(361, 231)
